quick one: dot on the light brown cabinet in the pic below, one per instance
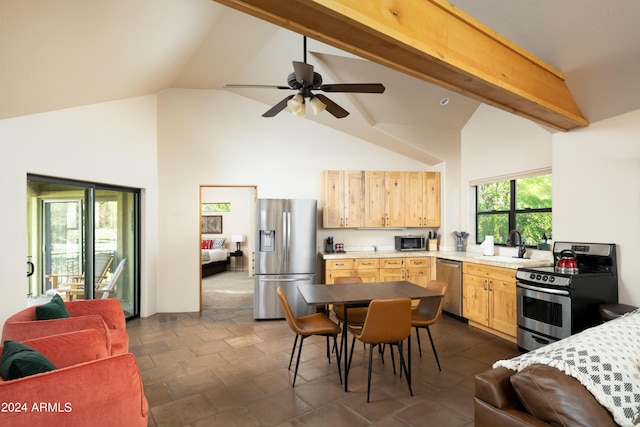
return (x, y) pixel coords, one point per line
(378, 199)
(414, 270)
(384, 199)
(489, 299)
(342, 199)
(422, 199)
(365, 268)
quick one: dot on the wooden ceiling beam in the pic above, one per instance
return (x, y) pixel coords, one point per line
(436, 42)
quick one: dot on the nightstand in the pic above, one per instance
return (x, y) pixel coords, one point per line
(239, 262)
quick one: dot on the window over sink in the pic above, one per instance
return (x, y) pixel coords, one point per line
(522, 203)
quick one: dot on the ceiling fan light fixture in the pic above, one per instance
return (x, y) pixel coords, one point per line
(296, 103)
(301, 111)
(317, 105)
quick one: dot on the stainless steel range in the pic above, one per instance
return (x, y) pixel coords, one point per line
(554, 304)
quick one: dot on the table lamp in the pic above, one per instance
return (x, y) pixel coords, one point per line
(237, 238)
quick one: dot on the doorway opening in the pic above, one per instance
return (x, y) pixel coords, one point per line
(227, 242)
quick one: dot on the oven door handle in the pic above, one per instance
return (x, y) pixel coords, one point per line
(545, 290)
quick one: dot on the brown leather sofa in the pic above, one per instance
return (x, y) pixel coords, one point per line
(536, 396)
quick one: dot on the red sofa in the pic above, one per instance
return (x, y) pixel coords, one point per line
(89, 387)
(103, 315)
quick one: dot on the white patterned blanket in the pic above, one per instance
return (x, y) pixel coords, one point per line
(605, 359)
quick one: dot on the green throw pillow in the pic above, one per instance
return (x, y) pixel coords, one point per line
(19, 360)
(54, 309)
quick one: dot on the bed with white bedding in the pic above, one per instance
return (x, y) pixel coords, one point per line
(215, 258)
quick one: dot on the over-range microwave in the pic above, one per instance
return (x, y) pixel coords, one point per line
(411, 243)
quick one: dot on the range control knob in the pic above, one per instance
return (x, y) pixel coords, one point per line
(552, 279)
(545, 278)
(532, 276)
(539, 277)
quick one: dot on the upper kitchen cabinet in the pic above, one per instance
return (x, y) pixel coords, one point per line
(422, 199)
(384, 199)
(379, 199)
(342, 199)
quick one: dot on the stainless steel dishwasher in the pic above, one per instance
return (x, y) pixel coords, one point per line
(451, 272)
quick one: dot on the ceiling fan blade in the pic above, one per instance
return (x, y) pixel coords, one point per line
(278, 107)
(255, 87)
(337, 111)
(304, 72)
(354, 87)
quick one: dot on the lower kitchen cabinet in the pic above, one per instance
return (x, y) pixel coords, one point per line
(489, 299)
(365, 268)
(414, 270)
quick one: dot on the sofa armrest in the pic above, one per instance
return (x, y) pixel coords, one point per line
(496, 402)
(494, 387)
(71, 348)
(109, 308)
(27, 330)
(104, 392)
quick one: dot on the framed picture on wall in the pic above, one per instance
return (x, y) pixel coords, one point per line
(211, 224)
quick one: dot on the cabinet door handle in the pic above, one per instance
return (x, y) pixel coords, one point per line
(485, 284)
(490, 285)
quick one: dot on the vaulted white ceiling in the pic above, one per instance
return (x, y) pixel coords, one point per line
(65, 53)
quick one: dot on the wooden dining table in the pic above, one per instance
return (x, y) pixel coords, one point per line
(352, 295)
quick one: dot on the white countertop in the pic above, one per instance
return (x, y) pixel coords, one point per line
(496, 261)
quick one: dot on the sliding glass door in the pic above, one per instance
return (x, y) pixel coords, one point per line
(83, 240)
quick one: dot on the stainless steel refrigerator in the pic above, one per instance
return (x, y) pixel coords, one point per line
(285, 255)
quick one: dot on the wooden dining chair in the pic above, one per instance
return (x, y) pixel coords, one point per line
(306, 326)
(428, 312)
(388, 321)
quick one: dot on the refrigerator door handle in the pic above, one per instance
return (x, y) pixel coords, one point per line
(285, 241)
(283, 280)
(288, 243)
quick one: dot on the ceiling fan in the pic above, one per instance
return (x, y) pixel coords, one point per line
(304, 80)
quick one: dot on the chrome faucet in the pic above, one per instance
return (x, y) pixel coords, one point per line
(521, 249)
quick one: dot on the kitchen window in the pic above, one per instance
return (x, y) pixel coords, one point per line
(521, 203)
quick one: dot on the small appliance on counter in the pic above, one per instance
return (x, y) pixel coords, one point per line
(328, 246)
(410, 243)
(339, 248)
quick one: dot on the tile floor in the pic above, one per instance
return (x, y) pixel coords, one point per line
(221, 367)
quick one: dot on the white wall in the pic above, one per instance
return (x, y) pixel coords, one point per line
(596, 171)
(596, 192)
(113, 143)
(205, 135)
